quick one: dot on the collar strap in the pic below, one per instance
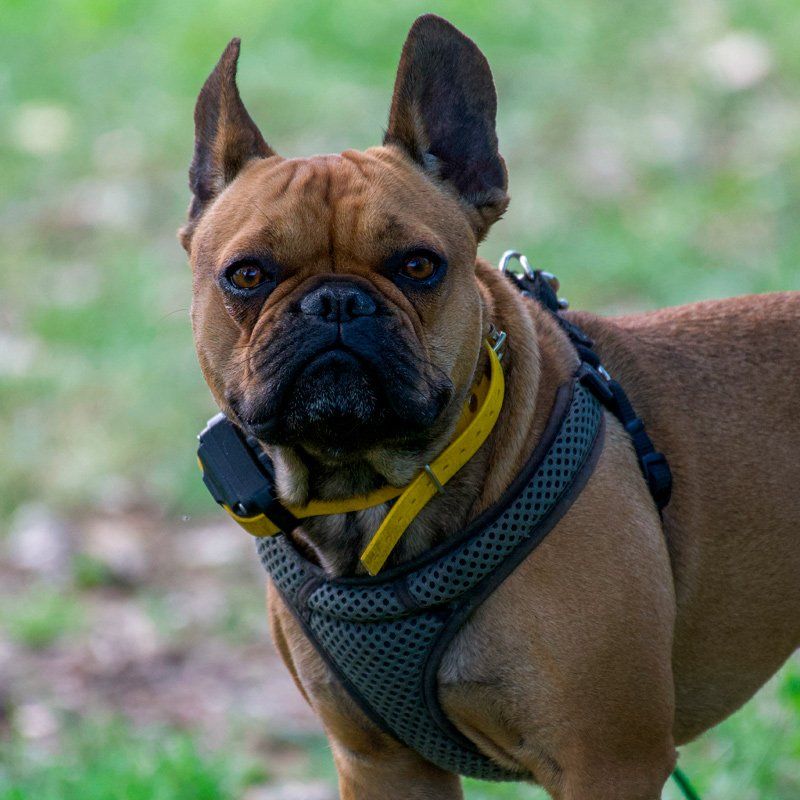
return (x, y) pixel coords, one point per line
(240, 477)
(488, 396)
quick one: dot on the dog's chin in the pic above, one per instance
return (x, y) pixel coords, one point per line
(334, 407)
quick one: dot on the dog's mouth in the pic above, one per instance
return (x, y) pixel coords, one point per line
(332, 398)
(340, 401)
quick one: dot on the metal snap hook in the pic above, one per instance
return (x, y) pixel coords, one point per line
(511, 255)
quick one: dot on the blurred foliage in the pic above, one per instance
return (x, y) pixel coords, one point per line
(654, 158)
(653, 149)
(37, 618)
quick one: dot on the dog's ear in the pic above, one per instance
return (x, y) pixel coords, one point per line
(225, 137)
(443, 116)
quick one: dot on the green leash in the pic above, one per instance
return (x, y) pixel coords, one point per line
(684, 784)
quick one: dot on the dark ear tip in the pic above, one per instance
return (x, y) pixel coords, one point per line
(431, 21)
(433, 24)
(230, 55)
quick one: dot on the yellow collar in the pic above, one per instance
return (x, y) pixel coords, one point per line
(478, 418)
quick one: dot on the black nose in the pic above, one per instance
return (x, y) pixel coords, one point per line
(338, 302)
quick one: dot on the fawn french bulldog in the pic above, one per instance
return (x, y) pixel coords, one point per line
(339, 310)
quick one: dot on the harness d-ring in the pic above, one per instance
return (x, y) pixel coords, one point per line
(530, 272)
(515, 255)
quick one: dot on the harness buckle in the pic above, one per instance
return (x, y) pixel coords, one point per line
(596, 382)
(658, 476)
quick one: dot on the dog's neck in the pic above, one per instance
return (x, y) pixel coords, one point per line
(538, 359)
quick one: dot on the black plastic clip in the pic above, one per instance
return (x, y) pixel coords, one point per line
(658, 476)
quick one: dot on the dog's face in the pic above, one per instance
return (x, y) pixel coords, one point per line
(335, 305)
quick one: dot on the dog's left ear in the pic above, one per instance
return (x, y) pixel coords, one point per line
(443, 116)
(225, 137)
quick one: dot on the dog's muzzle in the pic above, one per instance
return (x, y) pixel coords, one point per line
(341, 374)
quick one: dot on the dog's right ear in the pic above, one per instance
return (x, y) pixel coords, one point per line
(225, 138)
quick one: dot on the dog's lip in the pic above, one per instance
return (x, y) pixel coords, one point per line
(337, 349)
(262, 427)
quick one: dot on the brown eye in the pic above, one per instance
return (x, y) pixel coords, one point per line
(418, 267)
(248, 276)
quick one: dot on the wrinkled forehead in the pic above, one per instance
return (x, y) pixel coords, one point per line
(355, 207)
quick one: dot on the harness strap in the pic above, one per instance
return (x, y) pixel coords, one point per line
(653, 464)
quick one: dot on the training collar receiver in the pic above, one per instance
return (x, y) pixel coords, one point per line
(239, 473)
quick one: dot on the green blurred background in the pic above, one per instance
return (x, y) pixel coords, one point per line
(654, 158)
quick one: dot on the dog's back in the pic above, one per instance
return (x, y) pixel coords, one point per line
(717, 385)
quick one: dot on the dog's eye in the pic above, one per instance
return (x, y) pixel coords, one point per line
(418, 267)
(247, 276)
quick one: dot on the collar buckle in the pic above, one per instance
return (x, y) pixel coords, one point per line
(436, 482)
(497, 341)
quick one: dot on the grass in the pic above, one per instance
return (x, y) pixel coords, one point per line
(37, 619)
(654, 155)
(755, 755)
(113, 762)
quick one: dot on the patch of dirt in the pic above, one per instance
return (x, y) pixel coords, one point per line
(164, 624)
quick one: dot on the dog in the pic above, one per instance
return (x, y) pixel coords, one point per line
(339, 309)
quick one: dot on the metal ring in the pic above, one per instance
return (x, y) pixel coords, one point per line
(510, 255)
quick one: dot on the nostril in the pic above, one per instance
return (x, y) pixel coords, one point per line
(358, 304)
(338, 302)
(318, 303)
(327, 305)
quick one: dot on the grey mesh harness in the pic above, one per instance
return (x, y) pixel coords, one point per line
(384, 637)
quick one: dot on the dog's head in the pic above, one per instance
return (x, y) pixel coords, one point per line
(336, 311)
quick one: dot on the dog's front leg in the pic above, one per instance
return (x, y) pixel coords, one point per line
(392, 773)
(370, 764)
(599, 781)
